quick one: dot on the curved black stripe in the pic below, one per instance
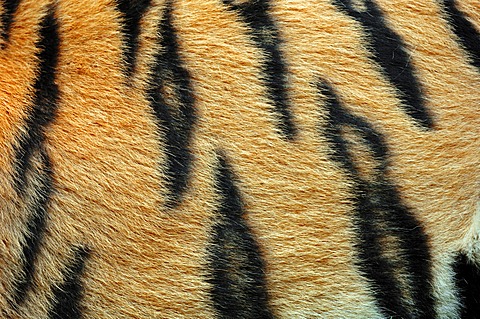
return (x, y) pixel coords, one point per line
(44, 103)
(380, 214)
(35, 226)
(389, 52)
(171, 98)
(133, 11)
(68, 295)
(385, 286)
(9, 9)
(468, 35)
(265, 34)
(34, 182)
(467, 276)
(237, 273)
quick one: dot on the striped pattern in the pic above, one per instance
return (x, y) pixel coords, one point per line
(236, 266)
(132, 12)
(31, 148)
(382, 218)
(392, 246)
(44, 104)
(34, 179)
(9, 8)
(66, 301)
(35, 229)
(266, 36)
(175, 114)
(466, 32)
(390, 53)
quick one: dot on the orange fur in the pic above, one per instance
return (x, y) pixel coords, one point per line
(109, 157)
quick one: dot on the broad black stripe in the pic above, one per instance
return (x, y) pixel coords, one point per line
(468, 282)
(265, 34)
(468, 35)
(31, 149)
(9, 9)
(67, 296)
(381, 214)
(389, 52)
(133, 11)
(175, 114)
(237, 273)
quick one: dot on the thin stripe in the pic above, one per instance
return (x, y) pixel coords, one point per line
(176, 116)
(44, 103)
(35, 228)
(7, 17)
(266, 36)
(31, 148)
(466, 32)
(132, 11)
(389, 52)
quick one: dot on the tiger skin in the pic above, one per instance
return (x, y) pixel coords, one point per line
(239, 159)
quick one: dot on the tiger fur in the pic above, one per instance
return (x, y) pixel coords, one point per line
(240, 159)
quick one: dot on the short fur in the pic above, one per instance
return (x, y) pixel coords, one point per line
(239, 159)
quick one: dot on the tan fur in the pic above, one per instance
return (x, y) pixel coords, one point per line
(108, 157)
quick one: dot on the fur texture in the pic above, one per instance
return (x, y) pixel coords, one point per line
(239, 159)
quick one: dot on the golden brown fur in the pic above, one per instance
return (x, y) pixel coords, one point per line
(147, 259)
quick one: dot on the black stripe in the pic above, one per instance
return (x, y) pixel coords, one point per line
(9, 9)
(68, 295)
(389, 52)
(45, 100)
(468, 282)
(171, 98)
(385, 286)
(237, 273)
(266, 36)
(34, 184)
(468, 35)
(133, 11)
(35, 227)
(380, 214)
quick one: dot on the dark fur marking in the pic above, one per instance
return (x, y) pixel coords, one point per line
(236, 266)
(265, 35)
(468, 282)
(176, 116)
(381, 214)
(9, 9)
(31, 148)
(35, 228)
(68, 295)
(133, 11)
(388, 51)
(466, 32)
(44, 103)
